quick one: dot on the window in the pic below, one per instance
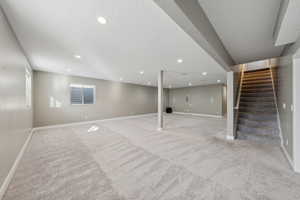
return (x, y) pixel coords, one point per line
(28, 92)
(82, 94)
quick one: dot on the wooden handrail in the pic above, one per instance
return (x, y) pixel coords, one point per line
(240, 87)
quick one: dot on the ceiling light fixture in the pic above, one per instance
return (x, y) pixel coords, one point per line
(204, 73)
(218, 81)
(179, 60)
(77, 56)
(142, 72)
(101, 20)
(190, 84)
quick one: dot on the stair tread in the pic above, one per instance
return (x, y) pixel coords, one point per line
(257, 78)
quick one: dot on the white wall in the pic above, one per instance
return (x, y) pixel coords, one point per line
(296, 116)
(284, 91)
(198, 99)
(15, 115)
(113, 99)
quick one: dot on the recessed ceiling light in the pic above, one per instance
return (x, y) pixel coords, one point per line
(142, 72)
(77, 56)
(190, 84)
(218, 81)
(121, 79)
(204, 73)
(101, 20)
(179, 60)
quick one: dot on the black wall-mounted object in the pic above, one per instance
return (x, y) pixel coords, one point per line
(169, 110)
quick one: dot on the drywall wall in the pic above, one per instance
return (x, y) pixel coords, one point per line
(283, 78)
(15, 114)
(296, 113)
(113, 99)
(199, 99)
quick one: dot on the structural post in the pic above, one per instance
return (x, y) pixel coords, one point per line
(230, 106)
(295, 108)
(160, 101)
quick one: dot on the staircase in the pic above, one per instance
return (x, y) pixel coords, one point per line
(257, 114)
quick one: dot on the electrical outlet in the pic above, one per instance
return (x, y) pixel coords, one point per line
(283, 105)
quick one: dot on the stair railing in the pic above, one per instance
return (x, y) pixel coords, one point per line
(240, 87)
(236, 112)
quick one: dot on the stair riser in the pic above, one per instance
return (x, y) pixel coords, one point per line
(259, 131)
(266, 110)
(267, 83)
(259, 139)
(265, 123)
(258, 94)
(257, 78)
(258, 116)
(257, 90)
(257, 87)
(257, 99)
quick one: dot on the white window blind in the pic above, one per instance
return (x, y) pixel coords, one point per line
(82, 94)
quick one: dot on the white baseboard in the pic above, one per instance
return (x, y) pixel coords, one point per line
(198, 114)
(92, 121)
(288, 157)
(229, 137)
(13, 169)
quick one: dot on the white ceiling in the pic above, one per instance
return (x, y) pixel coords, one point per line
(138, 36)
(289, 23)
(245, 27)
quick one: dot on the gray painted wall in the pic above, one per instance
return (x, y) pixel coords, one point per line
(296, 115)
(201, 99)
(15, 115)
(113, 99)
(284, 92)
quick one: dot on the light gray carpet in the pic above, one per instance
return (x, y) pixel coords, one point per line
(129, 159)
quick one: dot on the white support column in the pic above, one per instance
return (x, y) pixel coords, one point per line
(296, 114)
(160, 101)
(230, 106)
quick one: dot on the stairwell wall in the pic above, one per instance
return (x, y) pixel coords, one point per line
(284, 92)
(15, 109)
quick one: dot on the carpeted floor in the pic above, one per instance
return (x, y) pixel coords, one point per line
(129, 159)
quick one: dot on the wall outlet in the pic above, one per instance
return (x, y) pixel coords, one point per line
(283, 105)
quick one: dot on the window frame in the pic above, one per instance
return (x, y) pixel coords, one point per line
(28, 88)
(81, 86)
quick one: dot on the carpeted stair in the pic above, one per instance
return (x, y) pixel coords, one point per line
(257, 110)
